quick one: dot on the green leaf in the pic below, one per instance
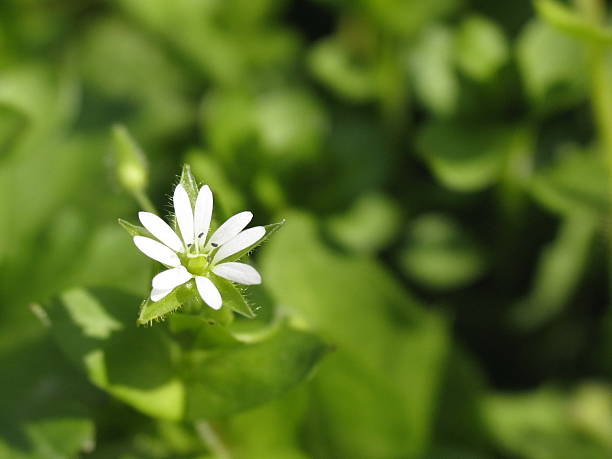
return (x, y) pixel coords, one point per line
(226, 381)
(290, 124)
(389, 350)
(439, 254)
(560, 269)
(480, 47)
(332, 63)
(406, 18)
(433, 73)
(368, 226)
(13, 124)
(143, 366)
(200, 331)
(96, 330)
(575, 182)
(46, 405)
(568, 21)
(549, 423)
(465, 157)
(270, 230)
(233, 298)
(248, 434)
(552, 66)
(134, 230)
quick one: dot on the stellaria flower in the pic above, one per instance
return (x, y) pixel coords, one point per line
(191, 254)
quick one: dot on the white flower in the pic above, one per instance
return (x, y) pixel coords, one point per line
(193, 255)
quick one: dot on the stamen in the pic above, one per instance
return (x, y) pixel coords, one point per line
(200, 235)
(214, 244)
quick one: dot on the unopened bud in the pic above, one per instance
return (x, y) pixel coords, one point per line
(130, 162)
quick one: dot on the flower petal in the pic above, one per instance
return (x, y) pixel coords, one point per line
(230, 228)
(184, 213)
(156, 250)
(171, 278)
(240, 242)
(238, 272)
(208, 292)
(161, 230)
(157, 295)
(203, 213)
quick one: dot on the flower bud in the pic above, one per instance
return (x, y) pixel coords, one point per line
(130, 162)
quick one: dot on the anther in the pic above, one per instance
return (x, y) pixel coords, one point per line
(200, 235)
(214, 244)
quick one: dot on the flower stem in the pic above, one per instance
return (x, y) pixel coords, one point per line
(212, 440)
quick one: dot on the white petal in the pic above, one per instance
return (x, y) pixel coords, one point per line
(230, 228)
(171, 278)
(203, 212)
(156, 250)
(157, 295)
(208, 292)
(238, 272)
(184, 213)
(161, 230)
(240, 242)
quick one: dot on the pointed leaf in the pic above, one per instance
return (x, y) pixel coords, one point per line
(134, 230)
(96, 330)
(232, 298)
(270, 230)
(225, 381)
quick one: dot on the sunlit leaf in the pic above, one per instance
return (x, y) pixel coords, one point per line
(551, 65)
(439, 254)
(465, 157)
(481, 47)
(142, 367)
(389, 349)
(432, 69)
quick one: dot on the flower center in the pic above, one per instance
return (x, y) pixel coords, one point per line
(197, 265)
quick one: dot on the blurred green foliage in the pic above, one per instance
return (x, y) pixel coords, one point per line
(445, 169)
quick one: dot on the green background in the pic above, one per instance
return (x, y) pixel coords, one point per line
(443, 277)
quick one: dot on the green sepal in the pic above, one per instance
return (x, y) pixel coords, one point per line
(184, 296)
(189, 183)
(156, 310)
(233, 298)
(270, 230)
(134, 230)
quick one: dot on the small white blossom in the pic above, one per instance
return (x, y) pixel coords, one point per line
(194, 255)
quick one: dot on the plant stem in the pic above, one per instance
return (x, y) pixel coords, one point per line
(212, 440)
(601, 101)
